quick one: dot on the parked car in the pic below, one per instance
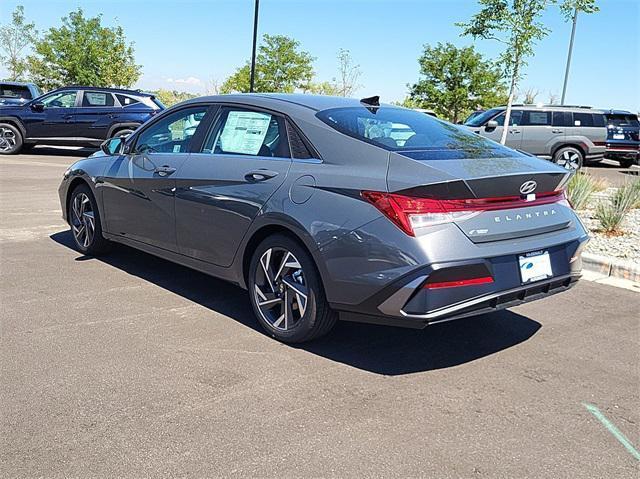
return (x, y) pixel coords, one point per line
(623, 139)
(77, 116)
(569, 136)
(17, 93)
(302, 200)
(472, 115)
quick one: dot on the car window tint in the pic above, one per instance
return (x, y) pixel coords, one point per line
(126, 100)
(298, 147)
(537, 118)
(97, 99)
(15, 91)
(172, 133)
(514, 120)
(561, 118)
(63, 99)
(247, 132)
(388, 127)
(582, 119)
(599, 119)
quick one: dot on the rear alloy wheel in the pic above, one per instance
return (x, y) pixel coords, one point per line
(10, 139)
(569, 158)
(626, 162)
(85, 222)
(286, 291)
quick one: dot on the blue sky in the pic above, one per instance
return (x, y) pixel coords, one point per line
(184, 44)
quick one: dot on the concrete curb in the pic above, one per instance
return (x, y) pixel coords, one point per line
(608, 266)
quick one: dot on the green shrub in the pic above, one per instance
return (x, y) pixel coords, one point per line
(635, 186)
(611, 214)
(580, 188)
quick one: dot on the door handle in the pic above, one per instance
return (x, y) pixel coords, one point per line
(164, 170)
(556, 131)
(515, 132)
(260, 175)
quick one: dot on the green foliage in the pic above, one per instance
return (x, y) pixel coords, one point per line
(579, 189)
(455, 82)
(82, 51)
(611, 214)
(323, 88)
(15, 37)
(171, 97)
(280, 67)
(568, 7)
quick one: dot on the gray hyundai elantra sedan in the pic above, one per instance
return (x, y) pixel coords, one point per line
(326, 208)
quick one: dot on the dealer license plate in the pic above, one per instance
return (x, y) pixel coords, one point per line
(535, 266)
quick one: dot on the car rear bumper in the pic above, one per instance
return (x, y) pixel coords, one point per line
(409, 304)
(631, 151)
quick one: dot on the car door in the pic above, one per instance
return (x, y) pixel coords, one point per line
(54, 120)
(139, 187)
(94, 114)
(244, 158)
(538, 133)
(514, 133)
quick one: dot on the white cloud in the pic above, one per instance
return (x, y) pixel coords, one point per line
(193, 81)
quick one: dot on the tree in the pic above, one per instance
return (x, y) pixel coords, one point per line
(82, 51)
(456, 81)
(553, 98)
(322, 88)
(171, 97)
(280, 67)
(516, 24)
(14, 39)
(349, 74)
(530, 95)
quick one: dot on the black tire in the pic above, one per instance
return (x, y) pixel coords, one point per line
(317, 318)
(81, 203)
(569, 158)
(10, 139)
(626, 162)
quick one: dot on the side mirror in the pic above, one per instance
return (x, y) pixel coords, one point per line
(492, 125)
(113, 146)
(37, 106)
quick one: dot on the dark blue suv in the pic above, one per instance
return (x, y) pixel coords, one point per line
(74, 116)
(623, 137)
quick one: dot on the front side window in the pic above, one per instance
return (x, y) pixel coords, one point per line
(404, 130)
(62, 99)
(171, 134)
(483, 117)
(97, 99)
(537, 118)
(247, 132)
(514, 120)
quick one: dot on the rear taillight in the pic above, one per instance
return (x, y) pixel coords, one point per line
(458, 283)
(409, 212)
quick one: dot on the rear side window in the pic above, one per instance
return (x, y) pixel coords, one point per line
(298, 147)
(15, 91)
(562, 118)
(400, 129)
(536, 118)
(247, 132)
(126, 100)
(582, 119)
(97, 99)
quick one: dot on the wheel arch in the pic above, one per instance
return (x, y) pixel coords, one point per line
(575, 145)
(122, 126)
(263, 231)
(15, 121)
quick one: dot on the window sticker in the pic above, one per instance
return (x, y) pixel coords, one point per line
(96, 99)
(244, 132)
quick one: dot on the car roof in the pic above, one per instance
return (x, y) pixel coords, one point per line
(618, 112)
(282, 100)
(112, 90)
(571, 108)
(17, 83)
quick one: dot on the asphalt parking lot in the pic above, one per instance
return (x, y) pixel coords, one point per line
(131, 366)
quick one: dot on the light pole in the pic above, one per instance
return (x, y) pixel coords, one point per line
(566, 73)
(253, 53)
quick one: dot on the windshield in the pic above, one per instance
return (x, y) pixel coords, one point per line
(399, 129)
(623, 120)
(483, 117)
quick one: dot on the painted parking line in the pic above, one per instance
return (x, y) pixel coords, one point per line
(613, 430)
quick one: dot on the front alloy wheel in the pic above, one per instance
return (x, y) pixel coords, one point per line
(84, 219)
(286, 291)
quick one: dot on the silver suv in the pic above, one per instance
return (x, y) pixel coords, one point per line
(569, 136)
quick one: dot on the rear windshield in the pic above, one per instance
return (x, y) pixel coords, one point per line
(399, 129)
(15, 91)
(623, 120)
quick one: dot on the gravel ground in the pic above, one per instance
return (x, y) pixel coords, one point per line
(626, 246)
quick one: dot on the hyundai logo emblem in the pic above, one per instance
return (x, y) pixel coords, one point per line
(528, 187)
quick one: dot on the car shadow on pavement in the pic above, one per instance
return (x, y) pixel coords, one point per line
(57, 151)
(378, 349)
